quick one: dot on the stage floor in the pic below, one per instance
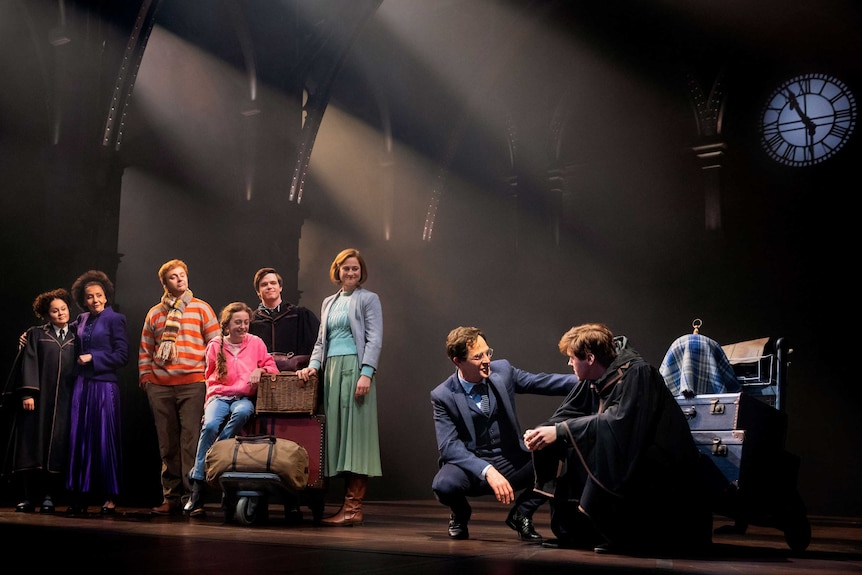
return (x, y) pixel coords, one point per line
(397, 537)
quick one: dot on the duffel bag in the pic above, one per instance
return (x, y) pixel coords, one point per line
(259, 454)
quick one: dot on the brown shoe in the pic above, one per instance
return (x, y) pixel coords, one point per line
(168, 507)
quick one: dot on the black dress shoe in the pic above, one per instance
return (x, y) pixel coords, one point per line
(47, 506)
(293, 516)
(24, 507)
(560, 544)
(108, 510)
(616, 549)
(458, 527)
(523, 526)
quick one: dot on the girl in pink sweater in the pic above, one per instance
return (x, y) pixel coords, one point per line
(235, 363)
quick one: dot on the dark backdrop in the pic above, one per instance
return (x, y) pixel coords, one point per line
(520, 166)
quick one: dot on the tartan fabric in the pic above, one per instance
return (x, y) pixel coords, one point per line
(695, 363)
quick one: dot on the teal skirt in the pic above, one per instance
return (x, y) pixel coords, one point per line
(352, 441)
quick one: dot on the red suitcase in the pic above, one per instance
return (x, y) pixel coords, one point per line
(306, 430)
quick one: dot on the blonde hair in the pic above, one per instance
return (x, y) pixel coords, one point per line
(335, 268)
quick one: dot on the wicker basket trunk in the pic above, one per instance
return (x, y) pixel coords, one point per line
(286, 393)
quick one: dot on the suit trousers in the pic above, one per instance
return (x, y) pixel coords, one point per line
(452, 484)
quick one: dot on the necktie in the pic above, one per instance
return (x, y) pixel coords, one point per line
(62, 335)
(482, 389)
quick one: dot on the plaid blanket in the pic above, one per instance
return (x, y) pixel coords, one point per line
(695, 364)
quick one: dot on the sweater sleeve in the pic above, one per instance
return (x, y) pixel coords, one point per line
(147, 349)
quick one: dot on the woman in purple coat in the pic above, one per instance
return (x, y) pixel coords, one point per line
(102, 348)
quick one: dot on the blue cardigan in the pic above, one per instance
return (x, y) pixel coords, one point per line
(366, 324)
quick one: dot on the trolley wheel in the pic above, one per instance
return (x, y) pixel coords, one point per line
(251, 510)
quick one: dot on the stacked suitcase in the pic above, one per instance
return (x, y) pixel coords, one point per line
(743, 435)
(736, 430)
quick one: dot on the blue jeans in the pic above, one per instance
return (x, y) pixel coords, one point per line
(232, 413)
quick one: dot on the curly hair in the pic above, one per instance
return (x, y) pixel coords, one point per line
(224, 321)
(42, 303)
(460, 339)
(88, 278)
(335, 268)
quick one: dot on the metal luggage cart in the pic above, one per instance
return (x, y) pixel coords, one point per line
(754, 478)
(767, 486)
(246, 497)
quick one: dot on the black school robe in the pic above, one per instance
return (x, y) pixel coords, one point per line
(41, 436)
(626, 457)
(294, 329)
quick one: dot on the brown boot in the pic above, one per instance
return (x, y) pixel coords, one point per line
(351, 512)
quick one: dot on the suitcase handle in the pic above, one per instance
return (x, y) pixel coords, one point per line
(240, 439)
(255, 438)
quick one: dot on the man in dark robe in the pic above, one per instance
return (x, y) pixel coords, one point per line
(617, 457)
(289, 331)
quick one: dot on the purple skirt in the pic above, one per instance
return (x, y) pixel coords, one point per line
(94, 438)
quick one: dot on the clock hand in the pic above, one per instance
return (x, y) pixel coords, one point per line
(794, 105)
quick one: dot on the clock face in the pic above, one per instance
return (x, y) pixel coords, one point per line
(807, 119)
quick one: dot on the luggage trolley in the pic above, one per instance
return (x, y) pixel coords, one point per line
(246, 496)
(286, 408)
(742, 435)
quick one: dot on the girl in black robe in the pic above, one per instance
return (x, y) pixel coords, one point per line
(43, 395)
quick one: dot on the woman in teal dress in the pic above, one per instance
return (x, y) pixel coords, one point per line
(346, 353)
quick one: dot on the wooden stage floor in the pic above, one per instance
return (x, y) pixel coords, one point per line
(397, 537)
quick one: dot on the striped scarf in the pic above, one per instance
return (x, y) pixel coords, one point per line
(167, 352)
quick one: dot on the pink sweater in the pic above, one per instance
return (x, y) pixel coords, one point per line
(252, 354)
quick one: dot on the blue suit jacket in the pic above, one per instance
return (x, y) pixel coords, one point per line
(456, 436)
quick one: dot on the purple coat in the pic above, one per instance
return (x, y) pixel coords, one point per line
(108, 343)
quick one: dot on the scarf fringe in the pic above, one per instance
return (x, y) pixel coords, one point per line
(167, 352)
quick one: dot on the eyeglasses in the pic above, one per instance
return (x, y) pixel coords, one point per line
(480, 356)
